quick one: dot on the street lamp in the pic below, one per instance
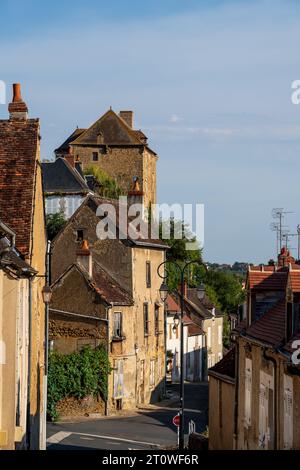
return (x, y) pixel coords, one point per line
(163, 295)
(47, 294)
(201, 291)
(163, 292)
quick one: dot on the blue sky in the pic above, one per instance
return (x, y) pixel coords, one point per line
(209, 81)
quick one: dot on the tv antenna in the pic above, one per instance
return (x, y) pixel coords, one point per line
(279, 213)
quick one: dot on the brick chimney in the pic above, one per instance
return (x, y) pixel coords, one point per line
(285, 258)
(70, 157)
(17, 108)
(127, 116)
(84, 258)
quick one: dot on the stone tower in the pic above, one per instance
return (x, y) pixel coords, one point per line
(117, 148)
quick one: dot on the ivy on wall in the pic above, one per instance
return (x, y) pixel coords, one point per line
(79, 374)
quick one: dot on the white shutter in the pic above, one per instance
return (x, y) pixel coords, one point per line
(209, 337)
(288, 412)
(266, 384)
(248, 391)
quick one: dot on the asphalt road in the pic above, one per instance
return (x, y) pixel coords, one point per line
(142, 430)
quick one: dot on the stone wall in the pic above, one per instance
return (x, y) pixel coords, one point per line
(122, 164)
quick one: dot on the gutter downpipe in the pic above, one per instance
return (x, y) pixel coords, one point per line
(46, 351)
(28, 415)
(275, 407)
(236, 396)
(106, 410)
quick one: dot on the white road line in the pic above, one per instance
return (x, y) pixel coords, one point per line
(121, 439)
(58, 437)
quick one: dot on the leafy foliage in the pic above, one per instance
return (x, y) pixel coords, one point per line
(107, 186)
(54, 223)
(78, 375)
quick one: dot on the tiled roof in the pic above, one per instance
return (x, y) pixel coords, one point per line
(95, 201)
(205, 305)
(194, 330)
(19, 140)
(171, 304)
(59, 176)
(102, 283)
(295, 280)
(226, 366)
(270, 328)
(64, 147)
(113, 131)
(267, 280)
(108, 288)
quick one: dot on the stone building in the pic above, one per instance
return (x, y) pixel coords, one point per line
(115, 282)
(267, 376)
(116, 147)
(22, 312)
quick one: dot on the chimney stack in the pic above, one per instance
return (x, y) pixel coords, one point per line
(84, 258)
(17, 108)
(127, 116)
(70, 157)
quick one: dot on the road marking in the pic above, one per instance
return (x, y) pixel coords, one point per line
(121, 439)
(87, 438)
(58, 437)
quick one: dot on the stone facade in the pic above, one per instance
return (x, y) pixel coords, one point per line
(138, 354)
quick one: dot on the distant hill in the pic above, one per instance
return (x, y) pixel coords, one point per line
(236, 268)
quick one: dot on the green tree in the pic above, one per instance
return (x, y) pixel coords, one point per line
(107, 186)
(54, 223)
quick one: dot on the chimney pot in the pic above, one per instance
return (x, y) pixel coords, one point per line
(127, 116)
(84, 258)
(17, 108)
(17, 97)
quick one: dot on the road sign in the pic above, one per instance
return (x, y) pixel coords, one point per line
(176, 420)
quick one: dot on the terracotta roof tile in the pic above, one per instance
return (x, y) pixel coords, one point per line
(18, 163)
(270, 328)
(226, 366)
(267, 280)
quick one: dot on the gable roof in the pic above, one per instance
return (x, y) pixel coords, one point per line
(59, 176)
(19, 144)
(64, 147)
(93, 202)
(270, 328)
(110, 129)
(225, 368)
(102, 283)
(267, 279)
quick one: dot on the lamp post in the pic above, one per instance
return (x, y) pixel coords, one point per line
(164, 294)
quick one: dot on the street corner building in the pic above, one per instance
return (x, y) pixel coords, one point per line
(107, 290)
(254, 391)
(22, 267)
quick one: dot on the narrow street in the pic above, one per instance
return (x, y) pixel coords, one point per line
(142, 429)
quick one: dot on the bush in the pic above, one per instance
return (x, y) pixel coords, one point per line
(54, 223)
(78, 375)
(108, 186)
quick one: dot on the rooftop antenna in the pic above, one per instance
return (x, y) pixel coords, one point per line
(278, 213)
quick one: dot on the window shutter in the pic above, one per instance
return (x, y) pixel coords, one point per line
(248, 391)
(288, 412)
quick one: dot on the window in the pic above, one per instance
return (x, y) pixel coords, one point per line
(117, 325)
(148, 273)
(156, 316)
(95, 156)
(79, 235)
(146, 319)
